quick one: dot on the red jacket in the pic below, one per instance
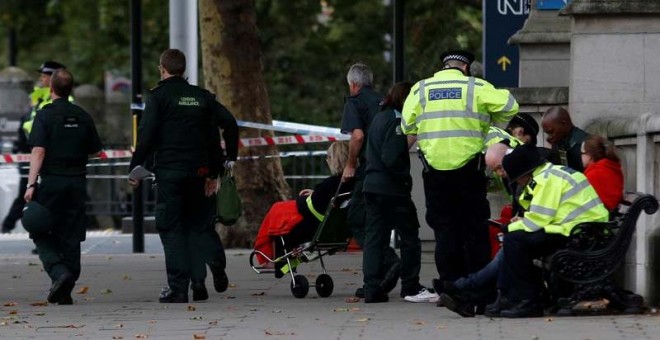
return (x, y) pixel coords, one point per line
(606, 177)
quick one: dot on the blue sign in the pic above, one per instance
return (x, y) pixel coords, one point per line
(551, 4)
(502, 19)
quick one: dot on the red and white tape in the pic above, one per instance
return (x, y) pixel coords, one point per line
(243, 142)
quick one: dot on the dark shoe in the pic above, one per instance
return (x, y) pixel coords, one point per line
(61, 287)
(458, 306)
(359, 293)
(376, 298)
(391, 277)
(525, 309)
(169, 296)
(220, 279)
(199, 291)
(494, 309)
(66, 300)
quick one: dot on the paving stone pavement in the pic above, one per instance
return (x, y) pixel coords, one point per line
(116, 298)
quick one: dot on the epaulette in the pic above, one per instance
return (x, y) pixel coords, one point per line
(153, 89)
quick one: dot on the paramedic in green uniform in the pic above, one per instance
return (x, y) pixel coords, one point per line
(180, 125)
(63, 136)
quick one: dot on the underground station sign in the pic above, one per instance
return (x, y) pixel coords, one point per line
(502, 19)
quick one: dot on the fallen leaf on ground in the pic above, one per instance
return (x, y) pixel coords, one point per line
(11, 304)
(548, 319)
(199, 336)
(140, 336)
(229, 297)
(355, 309)
(106, 291)
(83, 290)
(108, 258)
(259, 294)
(352, 299)
(39, 313)
(126, 277)
(32, 264)
(16, 277)
(40, 303)
(213, 323)
(441, 327)
(13, 312)
(191, 308)
(117, 337)
(4, 323)
(340, 310)
(232, 285)
(196, 318)
(276, 333)
(363, 319)
(277, 311)
(119, 325)
(152, 321)
(418, 322)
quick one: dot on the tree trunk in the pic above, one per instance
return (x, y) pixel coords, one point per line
(231, 55)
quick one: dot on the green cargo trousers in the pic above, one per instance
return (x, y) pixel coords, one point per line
(184, 216)
(59, 250)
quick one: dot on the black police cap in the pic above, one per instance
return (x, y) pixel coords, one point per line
(460, 55)
(521, 161)
(49, 67)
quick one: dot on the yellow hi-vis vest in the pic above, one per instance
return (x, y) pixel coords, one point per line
(40, 97)
(496, 135)
(450, 114)
(556, 200)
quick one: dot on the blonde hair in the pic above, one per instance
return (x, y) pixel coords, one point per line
(337, 157)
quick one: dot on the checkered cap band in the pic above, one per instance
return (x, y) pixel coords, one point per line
(456, 57)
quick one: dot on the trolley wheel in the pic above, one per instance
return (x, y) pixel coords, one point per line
(324, 285)
(301, 288)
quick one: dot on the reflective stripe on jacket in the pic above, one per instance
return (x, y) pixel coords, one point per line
(450, 114)
(496, 135)
(556, 200)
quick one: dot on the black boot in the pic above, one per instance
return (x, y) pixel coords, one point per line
(457, 305)
(199, 291)
(61, 287)
(528, 308)
(494, 309)
(169, 296)
(359, 293)
(220, 279)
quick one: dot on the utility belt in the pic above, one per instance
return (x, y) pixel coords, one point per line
(477, 163)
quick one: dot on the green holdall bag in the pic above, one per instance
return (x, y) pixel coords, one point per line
(229, 205)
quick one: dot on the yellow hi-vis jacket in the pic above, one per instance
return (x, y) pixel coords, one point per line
(556, 200)
(496, 135)
(450, 114)
(40, 97)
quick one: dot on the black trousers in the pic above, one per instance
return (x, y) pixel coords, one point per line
(457, 210)
(59, 251)
(184, 216)
(385, 213)
(518, 278)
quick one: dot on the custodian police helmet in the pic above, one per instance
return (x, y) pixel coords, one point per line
(36, 218)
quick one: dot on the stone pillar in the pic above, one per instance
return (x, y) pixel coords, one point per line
(544, 43)
(614, 58)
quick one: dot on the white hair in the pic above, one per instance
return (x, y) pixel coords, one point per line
(360, 74)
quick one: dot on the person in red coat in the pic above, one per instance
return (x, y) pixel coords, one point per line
(603, 170)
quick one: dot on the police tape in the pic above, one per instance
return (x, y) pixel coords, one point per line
(118, 154)
(295, 128)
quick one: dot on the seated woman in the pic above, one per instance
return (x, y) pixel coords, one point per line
(603, 170)
(297, 220)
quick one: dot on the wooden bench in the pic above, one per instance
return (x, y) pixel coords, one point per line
(595, 251)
